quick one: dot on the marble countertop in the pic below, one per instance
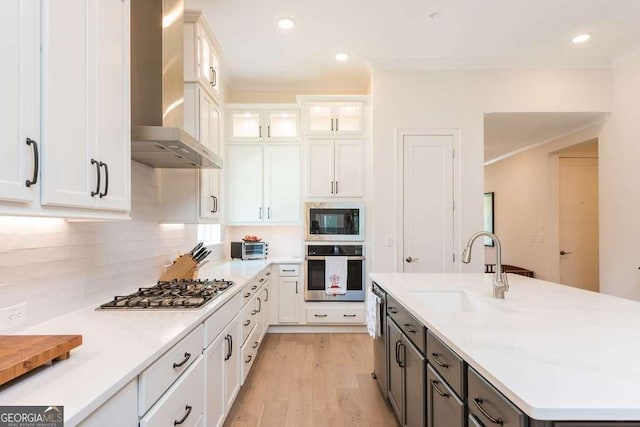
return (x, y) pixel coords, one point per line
(557, 352)
(117, 346)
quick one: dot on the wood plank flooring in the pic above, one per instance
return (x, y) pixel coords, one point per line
(314, 380)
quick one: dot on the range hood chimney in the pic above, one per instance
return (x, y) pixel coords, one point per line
(157, 90)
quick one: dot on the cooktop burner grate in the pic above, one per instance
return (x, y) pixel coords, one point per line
(176, 294)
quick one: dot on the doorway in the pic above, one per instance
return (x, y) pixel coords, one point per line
(426, 190)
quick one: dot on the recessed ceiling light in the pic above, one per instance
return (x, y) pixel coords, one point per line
(286, 23)
(581, 38)
(342, 56)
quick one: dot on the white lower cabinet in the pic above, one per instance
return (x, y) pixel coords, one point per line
(290, 294)
(249, 352)
(120, 410)
(183, 403)
(336, 313)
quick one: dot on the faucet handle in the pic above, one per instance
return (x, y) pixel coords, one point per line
(505, 280)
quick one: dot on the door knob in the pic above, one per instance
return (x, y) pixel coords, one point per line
(409, 259)
(565, 253)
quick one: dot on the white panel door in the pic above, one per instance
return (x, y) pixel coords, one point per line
(348, 176)
(288, 291)
(67, 140)
(232, 364)
(244, 177)
(19, 102)
(320, 168)
(282, 183)
(579, 262)
(210, 193)
(428, 203)
(112, 132)
(215, 354)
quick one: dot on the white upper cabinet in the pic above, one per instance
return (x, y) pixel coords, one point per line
(335, 168)
(20, 101)
(86, 146)
(263, 183)
(334, 118)
(202, 53)
(263, 123)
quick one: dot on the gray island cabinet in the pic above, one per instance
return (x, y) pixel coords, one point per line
(430, 384)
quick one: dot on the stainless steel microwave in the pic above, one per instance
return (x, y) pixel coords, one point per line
(334, 221)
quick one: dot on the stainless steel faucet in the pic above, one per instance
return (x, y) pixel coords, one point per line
(500, 282)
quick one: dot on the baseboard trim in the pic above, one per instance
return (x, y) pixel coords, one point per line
(316, 329)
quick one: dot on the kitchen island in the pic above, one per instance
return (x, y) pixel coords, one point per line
(556, 352)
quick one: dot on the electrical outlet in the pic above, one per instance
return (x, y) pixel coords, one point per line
(13, 316)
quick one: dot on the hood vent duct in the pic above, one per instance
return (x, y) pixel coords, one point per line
(157, 90)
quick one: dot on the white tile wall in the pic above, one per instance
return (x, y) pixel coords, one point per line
(284, 241)
(57, 266)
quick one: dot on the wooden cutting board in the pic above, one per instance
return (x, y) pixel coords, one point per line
(21, 353)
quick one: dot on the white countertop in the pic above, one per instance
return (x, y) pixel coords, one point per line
(117, 346)
(557, 352)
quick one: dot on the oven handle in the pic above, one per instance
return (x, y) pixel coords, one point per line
(322, 258)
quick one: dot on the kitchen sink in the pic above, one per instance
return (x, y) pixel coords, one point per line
(455, 301)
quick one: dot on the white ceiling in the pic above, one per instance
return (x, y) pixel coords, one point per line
(401, 34)
(508, 132)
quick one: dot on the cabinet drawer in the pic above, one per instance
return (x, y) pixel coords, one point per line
(157, 378)
(487, 404)
(249, 290)
(446, 363)
(221, 318)
(184, 400)
(249, 318)
(413, 329)
(336, 315)
(249, 352)
(285, 270)
(444, 408)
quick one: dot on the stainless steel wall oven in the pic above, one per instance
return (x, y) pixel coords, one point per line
(316, 256)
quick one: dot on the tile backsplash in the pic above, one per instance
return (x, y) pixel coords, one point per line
(57, 266)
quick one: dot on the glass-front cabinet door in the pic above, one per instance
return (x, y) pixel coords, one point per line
(319, 118)
(348, 118)
(245, 125)
(264, 125)
(334, 118)
(281, 124)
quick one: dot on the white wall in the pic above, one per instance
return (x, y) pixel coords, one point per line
(458, 99)
(526, 203)
(620, 186)
(284, 241)
(57, 266)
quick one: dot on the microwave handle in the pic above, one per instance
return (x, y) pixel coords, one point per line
(322, 258)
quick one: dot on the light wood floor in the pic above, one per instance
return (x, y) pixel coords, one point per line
(312, 380)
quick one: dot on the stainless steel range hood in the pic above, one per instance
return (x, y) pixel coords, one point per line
(157, 90)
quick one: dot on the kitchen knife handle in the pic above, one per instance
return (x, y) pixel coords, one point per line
(36, 164)
(106, 183)
(95, 162)
(187, 356)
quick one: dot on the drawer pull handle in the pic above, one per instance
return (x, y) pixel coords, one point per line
(434, 383)
(248, 360)
(288, 271)
(255, 344)
(178, 422)
(268, 273)
(187, 356)
(393, 310)
(247, 323)
(247, 295)
(319, 315)
(438, 362)
(262, 280)
(254, 312)
(408, 326)
(254, 287)
(478, 402)
(348, 315)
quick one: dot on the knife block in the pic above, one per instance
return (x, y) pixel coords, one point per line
(184, 267)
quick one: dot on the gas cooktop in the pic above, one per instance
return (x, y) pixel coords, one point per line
(176, 294)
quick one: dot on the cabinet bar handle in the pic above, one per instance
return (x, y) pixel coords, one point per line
(247, 323)
(409, 329)
(348, 315)
(296, 286)
(268, 131)
(288, 271)
(336, 187)
(95, 162)
(397, 346)
(337, 129)
(266, 296)
(434, 383)
(404, 355)
(254, 287)
(259, 305)
(247, 295)
(106, 183)
(230, 346)
(393, 310)
(188, 408)
(228, 355)
(438, 362)
(331, 187)
(255, 344)
(248, 360)
(319, 315)
(478, 402)
(36, 163)
(269, 212)
(260, 212)
(187, 356)
(214, 77)
(260, 131)
(331, 125)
